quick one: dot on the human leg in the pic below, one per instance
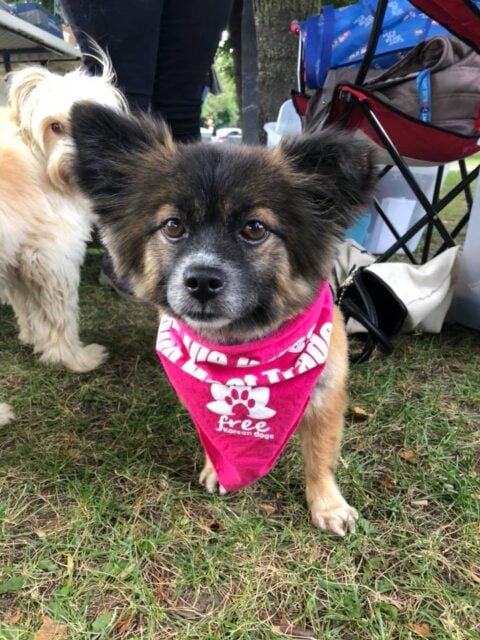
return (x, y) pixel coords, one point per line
(189, 37)
(129, 32)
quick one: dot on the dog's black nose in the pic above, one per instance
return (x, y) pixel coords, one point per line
(204, 283)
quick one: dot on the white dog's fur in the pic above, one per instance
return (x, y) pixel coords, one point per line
(44, 222)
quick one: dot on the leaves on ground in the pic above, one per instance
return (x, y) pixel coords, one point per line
(408, 455)
(359, 413)
(13, 618)
(51, 630)
(420, 628)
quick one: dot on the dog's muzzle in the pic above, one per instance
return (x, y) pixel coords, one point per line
(206, 288)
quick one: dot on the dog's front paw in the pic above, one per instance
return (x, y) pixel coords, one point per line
(81, 360)
(89, 357)
(208, 478)
(334, 516)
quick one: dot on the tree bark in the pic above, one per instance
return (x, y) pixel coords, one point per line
(277, 51)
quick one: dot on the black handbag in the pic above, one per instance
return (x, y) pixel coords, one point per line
(370, 301)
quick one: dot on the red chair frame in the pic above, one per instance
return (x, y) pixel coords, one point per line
(401, 136)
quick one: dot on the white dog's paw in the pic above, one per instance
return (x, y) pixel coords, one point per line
(208, 478)
(88, 358)
(6, 414)
(336, 516)
(81, 360)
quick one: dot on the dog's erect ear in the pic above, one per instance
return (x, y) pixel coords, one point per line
(337, 173)
(21, 85)
(107, 146)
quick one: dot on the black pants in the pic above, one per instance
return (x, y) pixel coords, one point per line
(161, 51)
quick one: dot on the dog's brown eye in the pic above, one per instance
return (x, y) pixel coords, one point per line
(57, 128)
(173, 229)
(254, 231)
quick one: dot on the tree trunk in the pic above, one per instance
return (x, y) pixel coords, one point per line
(277, 51)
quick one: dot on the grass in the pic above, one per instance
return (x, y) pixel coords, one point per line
(104, 530)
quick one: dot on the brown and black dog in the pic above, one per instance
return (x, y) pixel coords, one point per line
(266, 220)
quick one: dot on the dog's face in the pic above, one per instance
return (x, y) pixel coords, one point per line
(41, 102)
(234, 241)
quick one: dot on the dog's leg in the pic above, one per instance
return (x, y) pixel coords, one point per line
(321, 434)
(17, 297)
(53, 315)
(208, 478)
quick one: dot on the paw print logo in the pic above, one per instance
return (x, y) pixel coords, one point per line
(240, 402)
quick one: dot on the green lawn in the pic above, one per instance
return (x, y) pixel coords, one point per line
(104, 529)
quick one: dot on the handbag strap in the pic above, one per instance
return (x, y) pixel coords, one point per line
(375, 337)
(366, 316)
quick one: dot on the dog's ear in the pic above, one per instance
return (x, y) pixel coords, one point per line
(21, 85)
(336, 171)
(108, 147)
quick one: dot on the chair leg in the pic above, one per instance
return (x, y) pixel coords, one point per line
(436, 195)
(468, 193)
(430, 211)
(372, 42)
(464, 185)
(384, 171)
(389, 253)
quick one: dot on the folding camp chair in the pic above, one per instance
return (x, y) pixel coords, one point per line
(402, 136)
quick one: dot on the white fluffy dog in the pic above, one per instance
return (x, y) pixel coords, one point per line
(44, 221)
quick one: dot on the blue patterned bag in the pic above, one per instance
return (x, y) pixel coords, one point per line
(338, 37)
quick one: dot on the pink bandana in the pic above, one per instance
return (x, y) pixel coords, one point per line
(246, 400)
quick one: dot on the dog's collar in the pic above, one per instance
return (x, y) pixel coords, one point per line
(262, 350)
(248, 394)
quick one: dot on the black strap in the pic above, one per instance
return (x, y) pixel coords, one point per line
(366, 314)
(375, 337)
